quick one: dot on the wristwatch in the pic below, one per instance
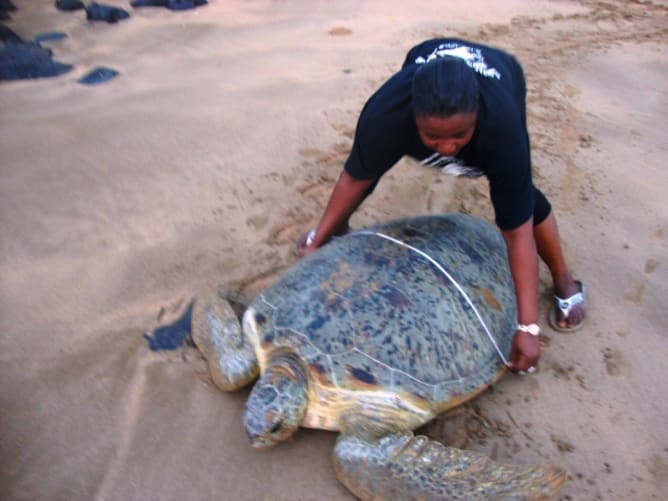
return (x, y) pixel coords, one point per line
(532, 329)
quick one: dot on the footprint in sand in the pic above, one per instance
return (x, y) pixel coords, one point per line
(340, 31)
(290, 232)
(635, 294)
(257, 222)
(243, 291)
(562, 372)
(562, 444)
(317, 191)
(651, 265)
(657, 466)
(615, 364)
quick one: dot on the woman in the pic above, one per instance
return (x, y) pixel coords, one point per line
(460, 106)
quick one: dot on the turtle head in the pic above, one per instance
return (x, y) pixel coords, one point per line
(277, 404)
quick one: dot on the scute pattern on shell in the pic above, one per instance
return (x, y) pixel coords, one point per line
(365, 312)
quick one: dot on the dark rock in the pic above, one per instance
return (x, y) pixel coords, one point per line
(49, 36)
(108, 13)
(169, 4)
(23, 60)
(8, 36)
(98, 75)
(69, 5)
(5, 7)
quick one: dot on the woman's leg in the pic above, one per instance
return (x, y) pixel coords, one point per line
(548, 245)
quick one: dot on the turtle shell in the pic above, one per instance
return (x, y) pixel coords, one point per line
(369, 312)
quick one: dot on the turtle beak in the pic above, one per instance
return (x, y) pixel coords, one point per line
(253, 432)
(254, 439)
(258, 442)
(257, 434)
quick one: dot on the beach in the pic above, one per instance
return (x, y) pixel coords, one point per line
(217, 146)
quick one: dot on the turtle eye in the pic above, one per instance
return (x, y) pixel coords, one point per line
(276, 428)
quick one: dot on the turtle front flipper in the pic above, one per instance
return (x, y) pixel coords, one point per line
(217, 333)
(408, 467)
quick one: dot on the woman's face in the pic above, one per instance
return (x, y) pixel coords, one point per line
(448, 135)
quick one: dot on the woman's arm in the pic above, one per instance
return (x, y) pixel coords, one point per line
(523, 260)
(348, 193)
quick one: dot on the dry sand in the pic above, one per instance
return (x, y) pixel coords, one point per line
(217, 146)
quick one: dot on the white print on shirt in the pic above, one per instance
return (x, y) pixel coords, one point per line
(472, 57)
(451, 166)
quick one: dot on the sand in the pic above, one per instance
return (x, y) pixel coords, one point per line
(218, 145)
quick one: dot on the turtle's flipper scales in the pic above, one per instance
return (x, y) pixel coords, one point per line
(406, 467)
(217, 333)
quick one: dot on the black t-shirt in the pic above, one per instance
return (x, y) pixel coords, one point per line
(499, 148)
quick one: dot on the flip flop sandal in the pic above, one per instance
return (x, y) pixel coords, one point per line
(565, 306)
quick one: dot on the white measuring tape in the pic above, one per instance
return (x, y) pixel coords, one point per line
(454, 282)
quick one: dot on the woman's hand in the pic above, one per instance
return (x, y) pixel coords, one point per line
(305, 244)
(525, 352)
(348, 193)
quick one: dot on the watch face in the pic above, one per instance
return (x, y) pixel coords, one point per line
(532, 329)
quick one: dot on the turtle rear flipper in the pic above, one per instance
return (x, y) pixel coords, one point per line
(407, 467)
(217, 333)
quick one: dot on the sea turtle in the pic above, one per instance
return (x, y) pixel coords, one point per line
(374, 335)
